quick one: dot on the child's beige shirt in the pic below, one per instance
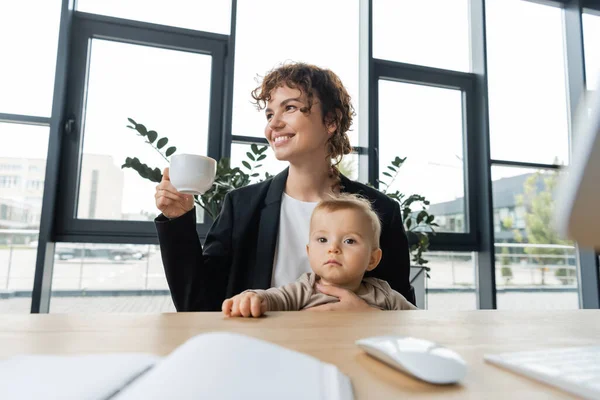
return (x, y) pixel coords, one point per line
(302, 294)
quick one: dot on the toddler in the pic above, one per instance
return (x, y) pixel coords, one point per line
(343, 245)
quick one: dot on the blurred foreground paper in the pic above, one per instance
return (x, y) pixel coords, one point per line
(212, 366)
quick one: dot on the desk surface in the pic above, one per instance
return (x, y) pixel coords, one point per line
(330, 337)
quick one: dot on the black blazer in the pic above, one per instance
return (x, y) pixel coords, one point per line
(239, 249)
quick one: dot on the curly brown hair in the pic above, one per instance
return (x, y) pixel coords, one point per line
(314, 82)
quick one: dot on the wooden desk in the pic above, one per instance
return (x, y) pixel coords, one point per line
(330, 337)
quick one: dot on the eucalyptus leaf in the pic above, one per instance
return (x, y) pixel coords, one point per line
(250, 156)
(245, 163)
(170, 151)
(162, 142)
(141, 129)
(152, 135)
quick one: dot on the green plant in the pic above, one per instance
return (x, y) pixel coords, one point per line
(537, 200)
(226, 178)
(419, 223)
(506, 271)
(507, 274)
(565, 276)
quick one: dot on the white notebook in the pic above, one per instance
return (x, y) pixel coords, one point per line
(209, 366)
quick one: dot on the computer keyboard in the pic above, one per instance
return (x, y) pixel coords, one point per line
(575, 369)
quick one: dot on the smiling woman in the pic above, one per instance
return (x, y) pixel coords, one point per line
(292, 112)
(259, 238)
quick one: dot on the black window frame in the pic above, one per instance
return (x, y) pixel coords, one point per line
(434, 77)
(86, 27)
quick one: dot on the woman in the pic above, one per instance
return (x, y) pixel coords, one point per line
(258, 240)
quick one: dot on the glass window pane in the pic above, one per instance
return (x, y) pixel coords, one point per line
(29, 32)
(434, 33)
(332, 43)
(22, 174)
(167, 91)
(535, 268)
(424, 124)
(108, 278)
(201, 15)
(591, 45)
(451, 285)
(527, 89)
(349, 166)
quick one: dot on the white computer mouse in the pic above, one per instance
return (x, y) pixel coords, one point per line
(420, 358)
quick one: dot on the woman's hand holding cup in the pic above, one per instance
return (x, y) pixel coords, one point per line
(191, 175)
(169, 201)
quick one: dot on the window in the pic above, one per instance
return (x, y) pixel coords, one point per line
(331, 41)
(591, 44)
(527, 89)
(29, 32)
(85, 273)
(528, 124)
(167, 91)
(201, 15)
(20, 213)
(434, 33)
(451, 282)
(534, 265)
(424, 124)
(93, 194)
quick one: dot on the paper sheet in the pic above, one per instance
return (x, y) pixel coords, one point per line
(231, 366)
(81, 377)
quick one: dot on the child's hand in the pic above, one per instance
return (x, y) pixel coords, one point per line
(248, 304)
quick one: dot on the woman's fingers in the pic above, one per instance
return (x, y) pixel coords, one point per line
(168, 186)
(168, 195)
(169, 201)
(163, 203)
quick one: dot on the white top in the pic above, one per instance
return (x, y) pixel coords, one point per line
(291, 260)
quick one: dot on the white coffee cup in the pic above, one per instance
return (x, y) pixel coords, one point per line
(192, 173)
